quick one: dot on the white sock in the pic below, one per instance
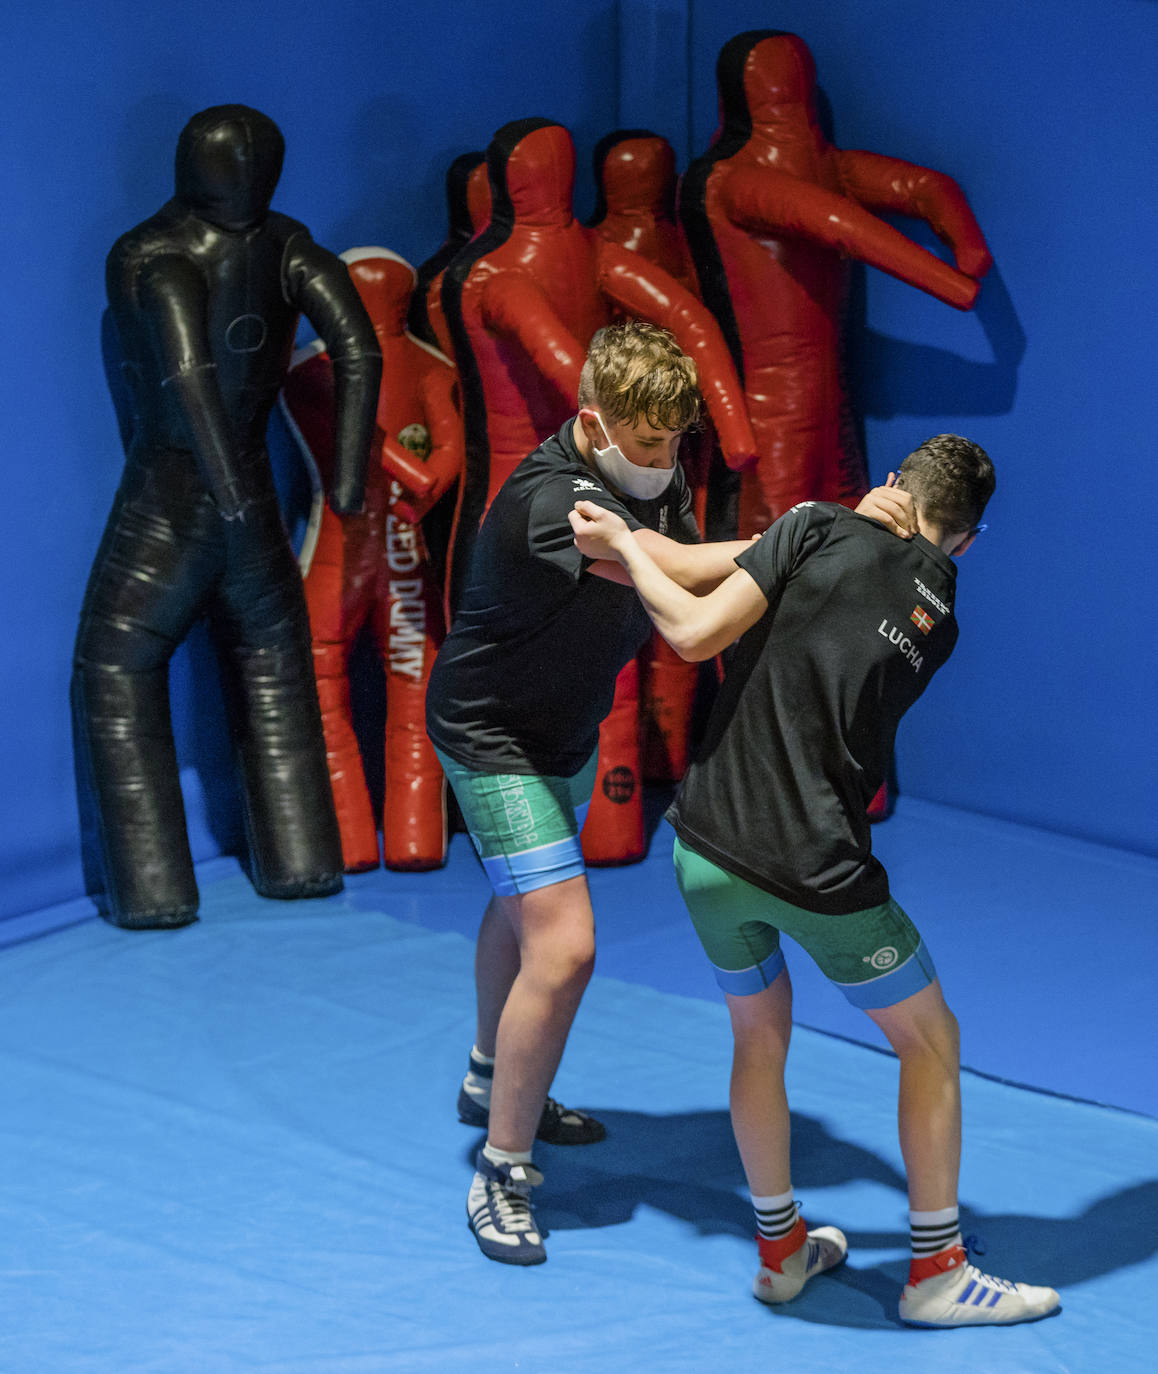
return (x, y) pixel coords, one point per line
(497, 1156)
(478, 1085)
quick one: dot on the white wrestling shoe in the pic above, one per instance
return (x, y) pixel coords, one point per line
(963, 1296)
(822, 1249)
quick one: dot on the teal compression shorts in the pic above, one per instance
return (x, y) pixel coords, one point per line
(524, 826)
(876, 957)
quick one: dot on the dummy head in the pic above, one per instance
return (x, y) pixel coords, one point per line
(228, 162)
(385, 283)
(531, 163)
(765, 77)
(951, 480)
(635, 172)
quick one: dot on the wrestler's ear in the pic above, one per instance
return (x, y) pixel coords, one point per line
(589, 419)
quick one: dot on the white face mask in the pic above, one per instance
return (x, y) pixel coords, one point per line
(629, 477)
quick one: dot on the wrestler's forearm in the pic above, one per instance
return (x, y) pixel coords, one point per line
(673, 610)
(695, 567)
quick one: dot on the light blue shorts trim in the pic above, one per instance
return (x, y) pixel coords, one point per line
(524, 826)
(745, 981)
(876, 956)
(915, 973)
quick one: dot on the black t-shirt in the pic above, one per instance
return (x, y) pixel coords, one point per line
(527, 673)
(800, 736)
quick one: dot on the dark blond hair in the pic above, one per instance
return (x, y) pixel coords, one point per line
(951, 480)
(636, 371)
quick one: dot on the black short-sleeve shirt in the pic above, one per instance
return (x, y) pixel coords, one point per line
(800, 736)
(527, 673)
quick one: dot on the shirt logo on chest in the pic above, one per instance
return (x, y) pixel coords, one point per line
(584, 484)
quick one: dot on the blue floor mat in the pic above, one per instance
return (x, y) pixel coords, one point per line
(234, 1148)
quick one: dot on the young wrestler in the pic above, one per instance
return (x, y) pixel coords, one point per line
(515, 701)
(841, 627)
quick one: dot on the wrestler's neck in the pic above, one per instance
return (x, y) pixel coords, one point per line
(954, 543)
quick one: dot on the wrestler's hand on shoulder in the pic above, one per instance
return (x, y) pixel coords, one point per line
(891, 507)
(598, 532)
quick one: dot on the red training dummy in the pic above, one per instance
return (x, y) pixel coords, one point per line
(373, 569)
(635, 180)
(773, 212)
(522, 301)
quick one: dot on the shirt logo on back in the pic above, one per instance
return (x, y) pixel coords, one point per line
(922, 619)
(907, 646)
(930, 598)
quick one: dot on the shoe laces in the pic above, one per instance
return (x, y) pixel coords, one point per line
(976, 1245)
(511, 1200)
(1003, 1284)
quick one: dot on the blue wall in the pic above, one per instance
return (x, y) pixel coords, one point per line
(1046, 117)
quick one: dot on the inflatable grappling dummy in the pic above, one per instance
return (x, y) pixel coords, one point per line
(462, 177)
(205, 297)
(772, 213)
(522, 301)
(372, 569)
(635, 180)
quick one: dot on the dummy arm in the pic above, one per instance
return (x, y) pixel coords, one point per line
(903, 188)
(768, 202)
(174, 299)
(640, 288)
(515, 307)
(318, 284)
(439, 396)
(696, 627)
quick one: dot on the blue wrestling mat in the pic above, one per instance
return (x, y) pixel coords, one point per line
(234, 1148)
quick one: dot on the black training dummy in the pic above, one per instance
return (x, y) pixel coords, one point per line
(205, 297)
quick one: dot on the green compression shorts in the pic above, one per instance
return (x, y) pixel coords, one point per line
(876, 957)
(524, 826)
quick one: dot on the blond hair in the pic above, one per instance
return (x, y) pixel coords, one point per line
(636, 371)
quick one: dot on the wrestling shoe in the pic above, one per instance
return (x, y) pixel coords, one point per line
(780, 1278)
(956, 1293)
(499, 1212)
(558, 1125)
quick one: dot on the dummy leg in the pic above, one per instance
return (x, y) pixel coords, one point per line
(409, 629)
(141, 601)
(339, 589)
(262, 636)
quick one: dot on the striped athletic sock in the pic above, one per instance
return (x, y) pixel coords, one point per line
(780, 1229)
(935, 1238)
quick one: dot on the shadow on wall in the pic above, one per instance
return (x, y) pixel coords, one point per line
(891, 377)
